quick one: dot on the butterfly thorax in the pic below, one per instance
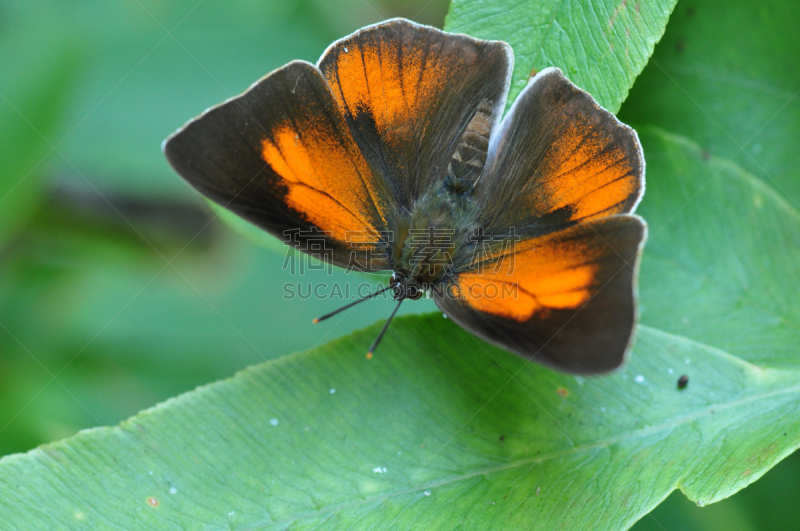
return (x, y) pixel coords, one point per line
(436, 238)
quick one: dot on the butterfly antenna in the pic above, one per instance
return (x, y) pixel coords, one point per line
(343, 308)
(380, 336)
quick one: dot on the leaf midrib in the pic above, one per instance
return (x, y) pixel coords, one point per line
(603, 443)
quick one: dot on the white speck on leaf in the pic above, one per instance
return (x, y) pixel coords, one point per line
(274, 422)
(379, 469)
(670, 371)
(332, 391)
(173, 490)
(687, 361)
(150, 472)
(231, 513)
(427, 493)
(639, 379)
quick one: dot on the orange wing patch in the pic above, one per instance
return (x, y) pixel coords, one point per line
(407, 93)
(326, 181)
(560, 159)
(282, 156)
(395, 90)
(555, 272)
(587, 170)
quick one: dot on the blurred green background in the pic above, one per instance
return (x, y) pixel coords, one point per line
(119, 286)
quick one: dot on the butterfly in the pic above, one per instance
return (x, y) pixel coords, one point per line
(393, 152)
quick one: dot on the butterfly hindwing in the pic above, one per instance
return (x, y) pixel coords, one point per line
(565, 299)
(281, 156)
(557, 159)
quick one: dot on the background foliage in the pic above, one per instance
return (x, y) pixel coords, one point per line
(119, 288)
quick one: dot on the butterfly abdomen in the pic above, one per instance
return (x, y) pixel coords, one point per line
(467, 162)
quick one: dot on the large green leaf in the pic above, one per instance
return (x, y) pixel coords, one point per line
(124, 330)
(441, 430)
(726, 76)
(722, 264)
(601, 46)
(437, 431)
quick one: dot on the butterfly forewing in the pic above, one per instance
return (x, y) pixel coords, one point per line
(558, 158)
(408, 93)
(281, 156)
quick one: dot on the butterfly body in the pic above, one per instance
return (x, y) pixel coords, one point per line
(439, 232)
(442, 232)
(394, 152)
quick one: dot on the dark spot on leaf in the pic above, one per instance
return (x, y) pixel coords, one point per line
(683, 381)
(502, 438)
(690, 11)
(706, 155)
(562, 392)
(680, 46)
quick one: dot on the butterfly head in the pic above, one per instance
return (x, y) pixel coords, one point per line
(404, 287)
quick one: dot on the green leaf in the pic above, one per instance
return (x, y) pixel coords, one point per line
(39, 72)
(157, 64)
(725, 75)
(438, 430)
(124, 330)
(601, 46)
(441, 430)
(722, 263)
